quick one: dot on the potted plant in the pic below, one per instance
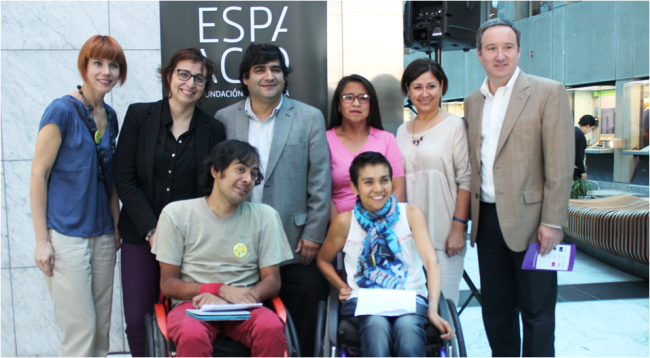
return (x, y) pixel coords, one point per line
(580, 189)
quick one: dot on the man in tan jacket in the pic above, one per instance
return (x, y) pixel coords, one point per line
(521, 147)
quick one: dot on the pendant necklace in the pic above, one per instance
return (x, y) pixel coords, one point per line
(415, 138)
(89, 116)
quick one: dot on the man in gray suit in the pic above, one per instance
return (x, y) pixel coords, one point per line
(294, 158)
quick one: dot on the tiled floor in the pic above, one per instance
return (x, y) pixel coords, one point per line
(587, 328)
(587, 325)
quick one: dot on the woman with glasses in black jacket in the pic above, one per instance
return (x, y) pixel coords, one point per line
(158, 160)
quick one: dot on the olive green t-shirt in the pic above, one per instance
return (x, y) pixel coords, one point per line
(210, 249)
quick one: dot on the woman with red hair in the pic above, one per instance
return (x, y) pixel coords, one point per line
(74, 204)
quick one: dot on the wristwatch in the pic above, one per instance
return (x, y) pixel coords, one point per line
(150, 234)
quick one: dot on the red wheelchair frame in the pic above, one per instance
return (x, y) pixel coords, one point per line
(158, 343)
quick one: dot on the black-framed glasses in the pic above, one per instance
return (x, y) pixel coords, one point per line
(185, 75)
(349, 98)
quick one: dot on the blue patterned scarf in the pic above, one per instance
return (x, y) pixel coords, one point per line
(381, 264)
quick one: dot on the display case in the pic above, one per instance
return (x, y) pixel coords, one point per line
(635, 112)
(600, 102)
(454, 107)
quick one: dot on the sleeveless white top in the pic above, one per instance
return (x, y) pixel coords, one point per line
(415, 279)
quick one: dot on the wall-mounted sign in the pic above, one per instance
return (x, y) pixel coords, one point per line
(222, 30)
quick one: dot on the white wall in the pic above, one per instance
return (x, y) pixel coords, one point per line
(40, 45)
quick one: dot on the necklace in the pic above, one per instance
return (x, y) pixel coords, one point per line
(105, 161)
(415, 139)
(89, 116)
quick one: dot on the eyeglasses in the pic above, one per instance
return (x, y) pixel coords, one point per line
(349, 98)
(185, 75)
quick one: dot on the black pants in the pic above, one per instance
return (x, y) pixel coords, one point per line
(507, 291)
(302, 288)
(576, 174)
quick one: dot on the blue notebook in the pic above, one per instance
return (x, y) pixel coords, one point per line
(218, 315)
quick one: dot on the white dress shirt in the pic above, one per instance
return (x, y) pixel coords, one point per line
(494, 112)
(260, 136)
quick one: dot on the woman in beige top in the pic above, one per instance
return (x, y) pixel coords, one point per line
(436, 162)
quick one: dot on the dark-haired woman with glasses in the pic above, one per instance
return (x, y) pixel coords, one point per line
(159, 160)
(74, 203)
(355, 127)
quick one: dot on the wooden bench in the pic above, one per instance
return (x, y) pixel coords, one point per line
(617, 224)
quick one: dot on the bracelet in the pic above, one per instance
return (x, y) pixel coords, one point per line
(461, 221)
(212, 288)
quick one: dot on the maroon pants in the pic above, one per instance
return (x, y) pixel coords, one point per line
(141, 290)
(263, 333)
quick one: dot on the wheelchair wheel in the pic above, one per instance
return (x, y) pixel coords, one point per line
(158, 341)
(460, 339)
(320, 329)
(149, 349)
(293, 346)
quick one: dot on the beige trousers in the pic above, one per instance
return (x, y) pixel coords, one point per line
(82, 292)
(451, 269)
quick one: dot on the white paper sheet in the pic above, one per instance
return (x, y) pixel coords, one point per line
(230, 307)
(558, 259)
(380, 302)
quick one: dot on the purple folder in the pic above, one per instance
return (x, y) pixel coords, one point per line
(532, 255)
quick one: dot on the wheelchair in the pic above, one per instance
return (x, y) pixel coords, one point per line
(339, 338)
(158, 343)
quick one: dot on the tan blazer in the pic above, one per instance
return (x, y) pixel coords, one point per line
(533, 166)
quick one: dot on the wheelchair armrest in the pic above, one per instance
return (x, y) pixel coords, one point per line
(333, 319)
(279, 308)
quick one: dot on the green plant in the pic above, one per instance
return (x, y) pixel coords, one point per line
(579, 189)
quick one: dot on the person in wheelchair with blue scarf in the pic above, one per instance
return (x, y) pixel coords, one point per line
(386, 246)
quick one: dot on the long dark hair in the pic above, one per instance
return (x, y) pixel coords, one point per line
(374, 117)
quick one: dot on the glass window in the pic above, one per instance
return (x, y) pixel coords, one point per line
(454, 107)
(598, 101)
(496, 9)
(540, 7)
(635, 111)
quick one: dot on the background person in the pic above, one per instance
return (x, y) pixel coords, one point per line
(436, 160)
(290, 138)
(355, 127)
(386, 246)
(159, 160)
(586, 124)
(520, 138)
(74, 203)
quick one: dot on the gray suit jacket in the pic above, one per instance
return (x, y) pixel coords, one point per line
(533, 167)
(298, 179)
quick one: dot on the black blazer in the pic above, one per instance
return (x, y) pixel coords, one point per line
(134, 159)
